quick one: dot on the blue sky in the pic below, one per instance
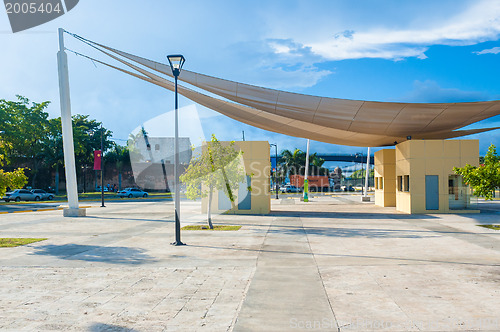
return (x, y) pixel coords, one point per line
(413, 51)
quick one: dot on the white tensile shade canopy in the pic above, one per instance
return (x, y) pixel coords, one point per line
(330, 120)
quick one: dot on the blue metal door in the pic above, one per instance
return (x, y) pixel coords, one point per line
(244, 196)
(432, 192)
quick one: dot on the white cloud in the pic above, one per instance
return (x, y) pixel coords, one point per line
(280, 78)
(478, 23)
(277, 63)
(430, 92)
(494, 50)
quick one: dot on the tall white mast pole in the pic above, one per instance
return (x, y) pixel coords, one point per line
(306, 181)
(67, 132)
(367, 174)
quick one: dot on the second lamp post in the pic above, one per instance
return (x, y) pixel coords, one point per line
(176, 62)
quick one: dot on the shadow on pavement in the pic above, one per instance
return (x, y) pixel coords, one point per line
(347, 215)
(112, 255)
(359, 232)
(352, 232)
(99, 327)
(170, 218)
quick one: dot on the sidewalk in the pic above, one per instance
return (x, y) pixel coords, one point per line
(333, 263)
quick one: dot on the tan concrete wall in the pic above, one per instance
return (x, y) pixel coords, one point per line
(418, 158)
(256, 158)
(385, 168)
(402, 155)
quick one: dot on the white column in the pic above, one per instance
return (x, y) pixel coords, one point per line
(306, 181)
(67, 132)
(367, 172)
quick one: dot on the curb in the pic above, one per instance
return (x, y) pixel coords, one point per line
(37, 210)
(42, 210)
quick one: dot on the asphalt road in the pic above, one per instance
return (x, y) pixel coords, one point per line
(12, 207)
(17, 207)
(484, 206)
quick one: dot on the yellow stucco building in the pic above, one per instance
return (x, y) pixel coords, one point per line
(385, 177)
(256, 160)
(417, 176)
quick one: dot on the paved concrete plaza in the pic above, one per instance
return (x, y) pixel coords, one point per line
(333, 263)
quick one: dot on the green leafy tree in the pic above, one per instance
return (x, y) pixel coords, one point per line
(360, 174)
(485, 178)
(12, 180)
(4, 146)
(53, 152)
(31, 139)
(216, 168)
(86, 137)
(26, 131)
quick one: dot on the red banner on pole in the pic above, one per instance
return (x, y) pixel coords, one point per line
(97, 160)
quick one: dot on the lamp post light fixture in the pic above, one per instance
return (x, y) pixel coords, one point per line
(176, 62)
(276, 170)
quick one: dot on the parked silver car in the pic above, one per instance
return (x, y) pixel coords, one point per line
(290, 189)
(43, 194)
(132, 192)
(21, 195)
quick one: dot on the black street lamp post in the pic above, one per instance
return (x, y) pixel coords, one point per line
(176, 62)
(84, 168)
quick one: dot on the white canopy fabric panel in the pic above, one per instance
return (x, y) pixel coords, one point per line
(330, 120)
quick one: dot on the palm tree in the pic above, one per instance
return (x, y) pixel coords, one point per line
(120, 156)
(316, 165)
(294, 163)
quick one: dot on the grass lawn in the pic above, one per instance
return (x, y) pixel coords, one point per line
(216, 228)
(16, 242)
(495, 227)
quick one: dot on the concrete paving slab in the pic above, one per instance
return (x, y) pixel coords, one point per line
(286, 270)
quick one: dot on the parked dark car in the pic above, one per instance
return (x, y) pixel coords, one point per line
(98, 189)
(21, 195)
(349, 188)
(43, 194)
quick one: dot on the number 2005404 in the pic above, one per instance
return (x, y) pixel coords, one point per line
(32, 8)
